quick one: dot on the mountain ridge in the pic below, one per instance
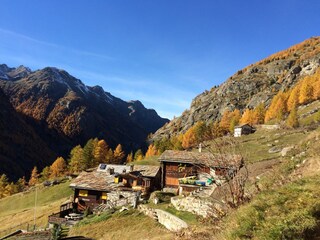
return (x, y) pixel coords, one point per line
(61, 105)
(248, 87)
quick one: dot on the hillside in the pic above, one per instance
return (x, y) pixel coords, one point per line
(255, 84)
(64, 112)
(21, 147)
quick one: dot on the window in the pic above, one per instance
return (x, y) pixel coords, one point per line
(83, 193)
(104, 196)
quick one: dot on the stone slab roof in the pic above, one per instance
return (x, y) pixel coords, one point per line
(185, 157)
(104, 181)
(205, 158)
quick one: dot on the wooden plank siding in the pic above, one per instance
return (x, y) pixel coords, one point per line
(173, 171)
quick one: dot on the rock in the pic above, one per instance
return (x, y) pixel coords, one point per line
(274, 149)
(285, 150)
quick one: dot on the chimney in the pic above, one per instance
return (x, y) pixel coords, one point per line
(200, 147)
(111, 171)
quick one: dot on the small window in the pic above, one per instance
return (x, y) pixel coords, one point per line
(104, 196)
(83, 193)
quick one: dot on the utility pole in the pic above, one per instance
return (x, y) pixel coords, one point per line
(35, 207)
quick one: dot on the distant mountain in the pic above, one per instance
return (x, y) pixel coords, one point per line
(250, 86)
(58, 103)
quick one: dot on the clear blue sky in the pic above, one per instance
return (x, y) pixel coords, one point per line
(163, 53)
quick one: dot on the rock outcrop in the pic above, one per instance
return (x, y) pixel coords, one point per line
(250, 86)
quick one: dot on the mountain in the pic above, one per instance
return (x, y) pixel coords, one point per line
(65, 112)
(21, 147)
(250, 86)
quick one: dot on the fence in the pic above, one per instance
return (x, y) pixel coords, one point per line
(29, 227)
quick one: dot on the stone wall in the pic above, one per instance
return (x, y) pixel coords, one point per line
(204, 207)
(168, 220)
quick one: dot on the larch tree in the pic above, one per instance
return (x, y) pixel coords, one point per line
(34, 178)
(58, 167)
(247, 117)
(77, 161)
(293, 100)
(259, 113)
(292, 120)
(152, 151)
(235, 119)
(45, 174)
(118, 154)
(225, 121)
(189, 139)
(130, 158)
(138, 155)
(306, 92)
(109, 158)
(101, 151)
(3, 184)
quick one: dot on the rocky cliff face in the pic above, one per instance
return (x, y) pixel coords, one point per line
(250, 86)
(61, 106)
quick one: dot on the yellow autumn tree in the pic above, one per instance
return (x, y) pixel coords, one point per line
(152, 151)
(34, 179)
(293, 99)
(225, 121)
(100, 151)
(278, 107)
(259, 113)
(189, 139)
(306, 91)
(292, 120)
(130, 158)
(118, 154)
(247, 117)
(235, 119)
(58, 167)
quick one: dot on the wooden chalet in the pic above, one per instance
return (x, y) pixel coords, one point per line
(190, 170)
(109, 183)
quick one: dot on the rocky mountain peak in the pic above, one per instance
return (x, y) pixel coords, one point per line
(250, 86)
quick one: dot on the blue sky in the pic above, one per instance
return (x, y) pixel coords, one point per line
(163, 53)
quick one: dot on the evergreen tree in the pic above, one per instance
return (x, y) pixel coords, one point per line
(225, 121)
(88, 153)
(34, 179)
(293, 99)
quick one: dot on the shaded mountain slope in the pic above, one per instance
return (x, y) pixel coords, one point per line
(78, 111)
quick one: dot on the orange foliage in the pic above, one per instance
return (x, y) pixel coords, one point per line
(152, 151)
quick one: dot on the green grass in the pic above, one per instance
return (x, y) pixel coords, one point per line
(148, 161)
(289, 212)
(25, 200)
(129, 225)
